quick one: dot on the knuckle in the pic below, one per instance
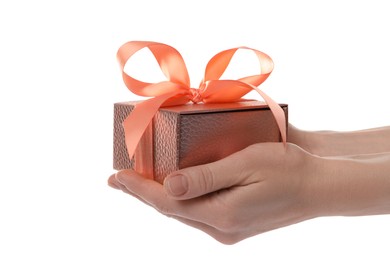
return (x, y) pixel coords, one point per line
(295, 156)
(263, 152)
(227, 239)
(164, 210)
(228, 218)
(252, 150)
(163, 207)
(229, 225)
(206, 180)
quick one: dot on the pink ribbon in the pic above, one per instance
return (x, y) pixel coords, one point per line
(176, 89)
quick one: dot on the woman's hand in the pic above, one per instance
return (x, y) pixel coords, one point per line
(268, 186)
(258, 189)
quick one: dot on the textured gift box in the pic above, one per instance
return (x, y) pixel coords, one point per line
(193, 134)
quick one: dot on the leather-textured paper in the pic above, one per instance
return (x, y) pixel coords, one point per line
(193, 134)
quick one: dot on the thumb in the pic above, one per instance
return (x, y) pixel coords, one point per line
(203, 179)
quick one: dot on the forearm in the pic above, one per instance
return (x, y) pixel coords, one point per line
(332, 143)
(351, 186)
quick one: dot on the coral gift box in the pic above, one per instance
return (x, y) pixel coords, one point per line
(180, 126)
(193, 134)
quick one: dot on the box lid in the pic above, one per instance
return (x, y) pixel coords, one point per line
(200, 108)
(218, 107)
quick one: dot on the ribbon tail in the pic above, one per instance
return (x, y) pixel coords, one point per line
(136, 123)
(278, 113)
(217, 91)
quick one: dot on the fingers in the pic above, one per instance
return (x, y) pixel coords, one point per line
(135, 184)
(150, 192)
(113, 183)
(207, 209)
(225, 238)
(203, 179)
(175, 209)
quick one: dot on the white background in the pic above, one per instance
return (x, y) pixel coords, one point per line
(59, 79)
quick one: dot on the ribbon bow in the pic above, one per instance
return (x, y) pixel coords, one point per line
(177, 91)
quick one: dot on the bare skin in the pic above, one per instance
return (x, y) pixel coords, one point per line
(332, 143)
(267, 186)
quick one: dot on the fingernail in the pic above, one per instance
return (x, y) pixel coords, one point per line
(176, 185)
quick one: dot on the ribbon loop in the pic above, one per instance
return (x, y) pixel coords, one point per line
(177, 91)
(169, 60)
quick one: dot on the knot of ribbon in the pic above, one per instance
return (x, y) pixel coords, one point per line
(176, 89)
(196, 96)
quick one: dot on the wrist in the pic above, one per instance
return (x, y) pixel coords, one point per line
(299, 137)
(314, 142)
(322, 143)
(348, 187)
(334, 143)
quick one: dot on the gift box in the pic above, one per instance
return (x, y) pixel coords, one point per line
(193, 134)
(180, 126)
